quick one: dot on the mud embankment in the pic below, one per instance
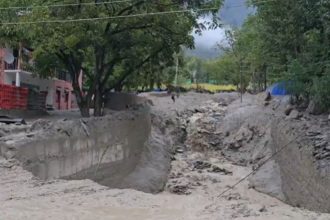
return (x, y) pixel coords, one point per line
(290, 154)
(305, 177)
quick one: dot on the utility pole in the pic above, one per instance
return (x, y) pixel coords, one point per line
(176, 70)
(241, 80)
(19, 64)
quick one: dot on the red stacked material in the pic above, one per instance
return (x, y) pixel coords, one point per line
(12, 97)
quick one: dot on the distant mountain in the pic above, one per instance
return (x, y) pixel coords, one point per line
(204, 53)
(233, 13)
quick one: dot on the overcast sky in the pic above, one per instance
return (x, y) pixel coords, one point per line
(233, 13)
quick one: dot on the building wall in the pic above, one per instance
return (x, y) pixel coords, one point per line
(64, 89)
(51, 86)
(59, 92)
(27, 78)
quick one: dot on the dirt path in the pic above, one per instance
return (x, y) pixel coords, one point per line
(201, 177)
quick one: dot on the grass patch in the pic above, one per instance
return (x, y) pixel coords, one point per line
(211, 87)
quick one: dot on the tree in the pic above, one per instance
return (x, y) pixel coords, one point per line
(223, 70)
(98, 47)
(295, 35)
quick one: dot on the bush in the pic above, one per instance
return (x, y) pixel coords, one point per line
(320, 92)
(299, 81)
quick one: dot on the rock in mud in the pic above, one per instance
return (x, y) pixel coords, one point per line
(267, 97)
(8, 164)
(201, 165)
(263, 209)
(180, 190)
(175, 175)
(313, 133)
(294, 115)
(241, 211)
(320, 144)
(40, 124)
(233, 196)
(314, 108)
(322, 155)
(2, 133)
(244, 135)
(216, 169)
(179, 186)
(179, 150)
(288, 110)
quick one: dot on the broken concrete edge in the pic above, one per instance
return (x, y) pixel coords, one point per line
(62, 148)
(124, 149)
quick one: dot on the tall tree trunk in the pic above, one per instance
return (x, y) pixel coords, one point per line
(158, 80)
(265, 80)
(84, 109)
(83, 101)
(75, 70)
(151, 83)
(98, 102)
(119, 87)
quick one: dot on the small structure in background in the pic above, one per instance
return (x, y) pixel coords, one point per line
(280, 88)
(21, 89)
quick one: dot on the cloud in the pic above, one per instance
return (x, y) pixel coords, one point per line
(209, 38)
(206, 42)
(233, 13)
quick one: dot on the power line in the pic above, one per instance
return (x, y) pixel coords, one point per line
(256, 169)
(108, 18)
(103, 18)
(244, 5)
(63, 5)
(99, 3)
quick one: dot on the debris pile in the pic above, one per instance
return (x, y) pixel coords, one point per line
(191, 166)
(242, 137)
(202, 126)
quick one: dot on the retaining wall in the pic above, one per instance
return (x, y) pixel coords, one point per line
(88, 148)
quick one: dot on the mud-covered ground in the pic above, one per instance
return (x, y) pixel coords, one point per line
(200, 174)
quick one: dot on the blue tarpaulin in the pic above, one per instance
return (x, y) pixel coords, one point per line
(279, 88)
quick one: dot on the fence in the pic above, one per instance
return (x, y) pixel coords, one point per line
(12, 97)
